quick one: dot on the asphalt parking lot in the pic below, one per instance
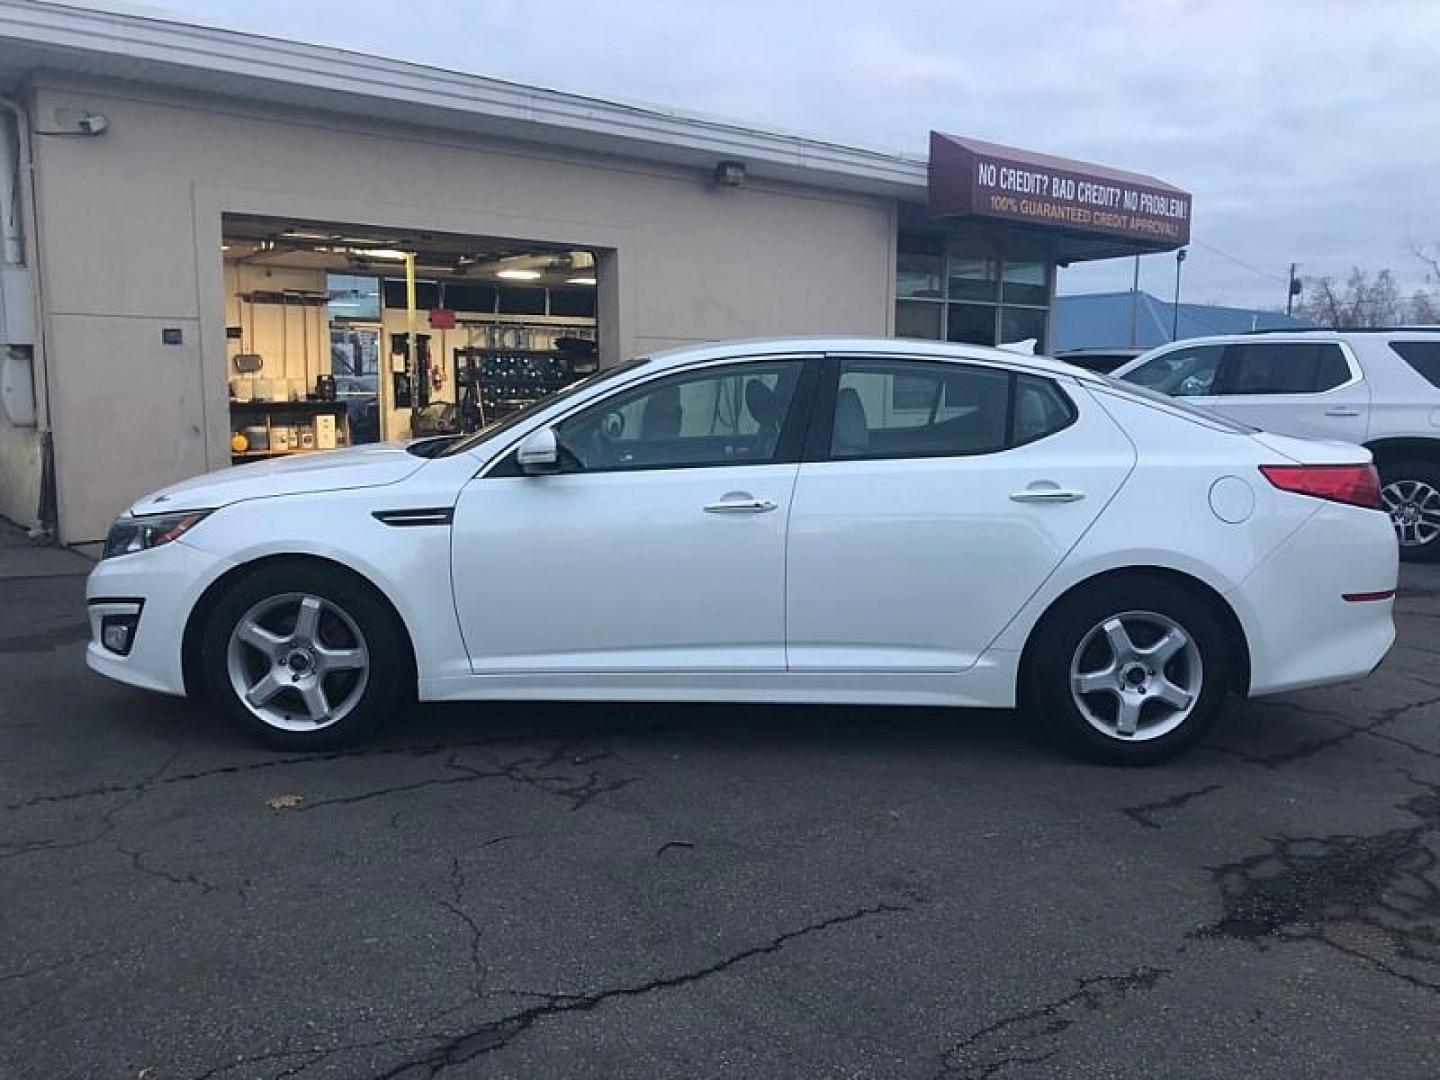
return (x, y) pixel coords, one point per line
(623, 891)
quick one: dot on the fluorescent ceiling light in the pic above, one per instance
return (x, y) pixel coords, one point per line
(518, 275)
(580, 281)
(381, 253)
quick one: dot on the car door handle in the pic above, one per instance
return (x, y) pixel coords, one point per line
(1342, 410)
(1047, 495)
(740, 502)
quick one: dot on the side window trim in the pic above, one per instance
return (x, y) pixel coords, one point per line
(787, 447)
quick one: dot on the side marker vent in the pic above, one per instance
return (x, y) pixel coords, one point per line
(434, 515)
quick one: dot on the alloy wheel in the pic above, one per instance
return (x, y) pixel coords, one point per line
(1136, 676)
(298, 662)
(1414, 507)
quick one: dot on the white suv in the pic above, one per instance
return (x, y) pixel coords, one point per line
(1378, 388)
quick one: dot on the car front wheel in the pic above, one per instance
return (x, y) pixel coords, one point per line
(305, 657)
(1131, 671)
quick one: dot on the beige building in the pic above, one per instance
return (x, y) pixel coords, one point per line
(222, 248)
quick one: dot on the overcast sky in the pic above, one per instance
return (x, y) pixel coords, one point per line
(1308, 130)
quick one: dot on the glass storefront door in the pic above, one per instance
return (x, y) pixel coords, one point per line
(355, 367)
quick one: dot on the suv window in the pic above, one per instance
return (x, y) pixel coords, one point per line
(913, 408)
(1423, 356)
(729, 415)
(1188, 371)
(1278, 367)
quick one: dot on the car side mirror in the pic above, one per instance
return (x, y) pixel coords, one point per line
(538, 452)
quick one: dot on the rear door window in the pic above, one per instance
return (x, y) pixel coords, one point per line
(915, 408)
(1423, 356)
(1282, 367)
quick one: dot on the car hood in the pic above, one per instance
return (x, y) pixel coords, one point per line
(326, 470)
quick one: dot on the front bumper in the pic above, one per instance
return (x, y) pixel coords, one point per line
(158, 588)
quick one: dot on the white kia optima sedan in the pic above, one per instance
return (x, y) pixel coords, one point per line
(836, 520)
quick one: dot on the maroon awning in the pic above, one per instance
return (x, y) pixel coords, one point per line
(971, 178)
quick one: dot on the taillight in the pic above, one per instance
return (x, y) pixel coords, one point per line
(1354, 485)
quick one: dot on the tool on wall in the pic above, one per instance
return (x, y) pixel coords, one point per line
(247, 361)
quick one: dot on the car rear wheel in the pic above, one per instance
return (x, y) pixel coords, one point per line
(1131, 671)
(305, 657)
(1411, 490)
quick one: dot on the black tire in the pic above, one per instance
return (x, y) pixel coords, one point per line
(1395, 479)
(1076, 621)
(352, 619)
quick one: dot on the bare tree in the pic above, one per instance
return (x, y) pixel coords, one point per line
(1429, 254)
(1366, 300)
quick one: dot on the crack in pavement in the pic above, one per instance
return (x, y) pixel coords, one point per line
(1142, 813)
(313, 1055)
(497, 1034)
(414, 750)
(138, 860)
(136, 792)
(544, 774)
(480, 971)
(1375, 898)
(1033, 1035)
(1309, 749)
(108, 825)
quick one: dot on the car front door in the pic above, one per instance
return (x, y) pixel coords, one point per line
(934, 500)
(658, 546)
(1311, 389)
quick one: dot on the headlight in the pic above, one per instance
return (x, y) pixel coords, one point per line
(130, 534)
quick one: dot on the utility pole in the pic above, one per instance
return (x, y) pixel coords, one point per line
(1135, 303)
(1292, 291)
(1175, 320)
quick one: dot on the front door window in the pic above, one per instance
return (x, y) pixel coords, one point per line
(731, 415)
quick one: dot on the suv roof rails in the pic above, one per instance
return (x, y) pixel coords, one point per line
(1433, 328)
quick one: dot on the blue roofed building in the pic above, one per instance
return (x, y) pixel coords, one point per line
(1104, 320)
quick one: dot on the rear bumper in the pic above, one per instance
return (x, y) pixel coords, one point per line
(159, 587)
(1301, 630)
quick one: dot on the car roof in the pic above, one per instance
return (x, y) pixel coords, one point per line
(1301, 334)
(1424, 329)
(905, 347)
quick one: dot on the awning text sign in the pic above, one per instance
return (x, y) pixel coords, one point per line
(970, 178)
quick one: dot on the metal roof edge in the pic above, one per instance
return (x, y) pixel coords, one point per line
(555, 116)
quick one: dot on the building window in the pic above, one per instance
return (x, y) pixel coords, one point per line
(953, 291)
(353, 297)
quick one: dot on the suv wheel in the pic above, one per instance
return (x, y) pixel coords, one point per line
(1411, 490)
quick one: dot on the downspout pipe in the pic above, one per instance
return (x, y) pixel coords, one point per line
(19, 245)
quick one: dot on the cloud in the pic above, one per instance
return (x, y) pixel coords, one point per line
(1307, 129)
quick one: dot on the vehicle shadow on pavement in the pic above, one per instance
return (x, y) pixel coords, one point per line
(1263, 732)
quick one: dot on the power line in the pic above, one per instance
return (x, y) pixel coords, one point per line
(1241, 262)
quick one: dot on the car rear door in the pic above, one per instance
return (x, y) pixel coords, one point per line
(935, 498)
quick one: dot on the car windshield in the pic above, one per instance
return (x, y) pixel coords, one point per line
(505, 423)
(1209, 416)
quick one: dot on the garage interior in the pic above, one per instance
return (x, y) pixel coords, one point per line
(340, 335)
